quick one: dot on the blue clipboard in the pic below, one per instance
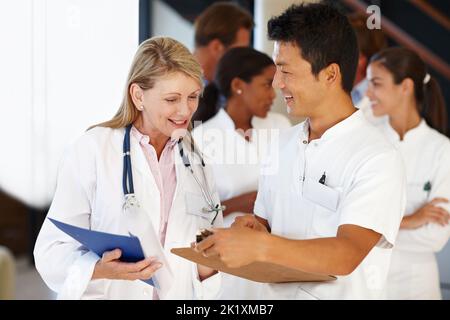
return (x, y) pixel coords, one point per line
(99, 242)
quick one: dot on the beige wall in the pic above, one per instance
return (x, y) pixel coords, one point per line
(7, 277)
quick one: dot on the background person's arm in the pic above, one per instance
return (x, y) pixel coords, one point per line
(433, 235)
(242, 203)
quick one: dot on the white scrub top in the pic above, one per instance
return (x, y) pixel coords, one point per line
(364, 186)
(426, 154)
(235, 162)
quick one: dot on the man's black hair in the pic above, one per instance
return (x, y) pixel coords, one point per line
(323, 35)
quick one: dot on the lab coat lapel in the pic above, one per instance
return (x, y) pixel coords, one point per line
(145, 188)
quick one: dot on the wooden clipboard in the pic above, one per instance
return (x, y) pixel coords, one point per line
(257, 271)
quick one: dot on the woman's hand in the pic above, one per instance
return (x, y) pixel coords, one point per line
(204, 272)
(110, 267)
(429, 213)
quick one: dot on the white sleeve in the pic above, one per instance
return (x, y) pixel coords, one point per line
(262, 207)
(259, 208)
(431, 237)
(66, 266)
(376, 198)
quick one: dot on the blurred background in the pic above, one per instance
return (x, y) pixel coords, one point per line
(63, 65)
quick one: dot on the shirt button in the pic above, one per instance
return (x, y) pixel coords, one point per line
(305, 142)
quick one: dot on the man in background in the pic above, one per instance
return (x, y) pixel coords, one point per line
(220, 27)
(369, 43)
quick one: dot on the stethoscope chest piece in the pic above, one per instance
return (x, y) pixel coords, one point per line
(130, 201)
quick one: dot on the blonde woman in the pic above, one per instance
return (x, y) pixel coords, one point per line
(137, 173)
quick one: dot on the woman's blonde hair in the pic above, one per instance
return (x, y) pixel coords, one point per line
(155, 57)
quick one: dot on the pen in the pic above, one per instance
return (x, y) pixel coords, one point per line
(322, 179)
(427, 188)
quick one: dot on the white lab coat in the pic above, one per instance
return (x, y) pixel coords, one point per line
(89, 194)
(236, 167)
(426, 153)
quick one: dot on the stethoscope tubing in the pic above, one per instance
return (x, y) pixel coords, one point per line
(127, 177)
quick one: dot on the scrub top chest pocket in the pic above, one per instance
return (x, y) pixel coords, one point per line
(321, 194)
(417, 195)
(322, 219)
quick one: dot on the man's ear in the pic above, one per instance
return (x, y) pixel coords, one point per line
(216, 48)
(331, 74)
(137, 95)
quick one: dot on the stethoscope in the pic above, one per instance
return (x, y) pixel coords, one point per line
(127, 177)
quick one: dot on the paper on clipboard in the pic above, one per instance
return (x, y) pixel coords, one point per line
(256, 271)
(151, 246)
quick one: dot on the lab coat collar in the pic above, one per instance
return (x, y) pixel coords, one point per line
(145, 139)
(224, 118)
(138, 158)
(339, 128)
(411, 135)
(227, 123)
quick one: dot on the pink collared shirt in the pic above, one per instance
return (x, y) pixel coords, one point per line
(164, 173)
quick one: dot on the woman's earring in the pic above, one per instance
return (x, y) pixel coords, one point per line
(141, 108)
(238, 91)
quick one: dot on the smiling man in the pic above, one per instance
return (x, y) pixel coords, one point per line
(335, 202)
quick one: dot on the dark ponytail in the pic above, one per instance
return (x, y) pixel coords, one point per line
(208, 104)
(403, 63)
(434, 111)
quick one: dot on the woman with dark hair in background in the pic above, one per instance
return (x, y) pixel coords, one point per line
(236, 138)
(415, 122)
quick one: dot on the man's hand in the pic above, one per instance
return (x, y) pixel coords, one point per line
(236, 247)
(251, 221)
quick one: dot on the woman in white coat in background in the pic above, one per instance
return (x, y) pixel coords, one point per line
(94, 189)
(410, 99)
(237, 137)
